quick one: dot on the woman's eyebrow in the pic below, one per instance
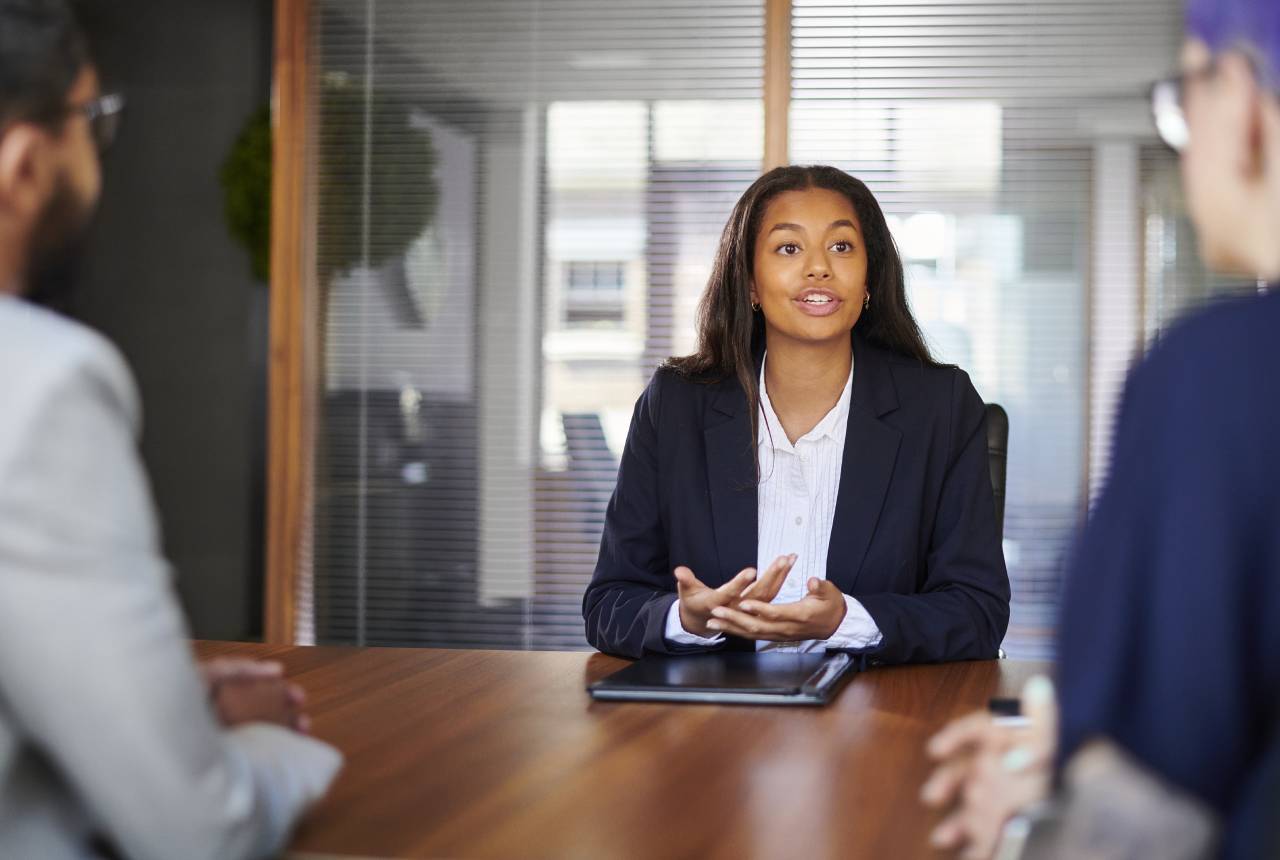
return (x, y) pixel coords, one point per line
(786, 225)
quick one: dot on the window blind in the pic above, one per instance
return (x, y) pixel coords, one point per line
(517, 208)
(1175, 280)
(982, 128)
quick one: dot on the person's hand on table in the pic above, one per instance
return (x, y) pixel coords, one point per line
(986, 772)
(699, 601)
(254, 691)
(816, 616)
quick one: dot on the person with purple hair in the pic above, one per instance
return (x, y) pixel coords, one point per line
(1163, 739)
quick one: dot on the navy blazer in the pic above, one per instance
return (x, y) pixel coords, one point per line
(914, 539)
(1169, 641)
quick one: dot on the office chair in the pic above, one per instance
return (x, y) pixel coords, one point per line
(998, 456)
(998, 460)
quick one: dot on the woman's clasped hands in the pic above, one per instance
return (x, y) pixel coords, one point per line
(742, 606)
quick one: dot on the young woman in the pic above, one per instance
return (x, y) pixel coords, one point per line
(810, 437)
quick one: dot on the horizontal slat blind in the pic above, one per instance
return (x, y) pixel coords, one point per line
(1175, 281)
(517, 211)
(518, 206)
(977, 125)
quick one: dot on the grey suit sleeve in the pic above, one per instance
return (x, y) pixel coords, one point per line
(95, 666)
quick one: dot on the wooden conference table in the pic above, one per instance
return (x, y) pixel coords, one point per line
(502, 754)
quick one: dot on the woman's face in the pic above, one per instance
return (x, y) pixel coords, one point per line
(810, 266)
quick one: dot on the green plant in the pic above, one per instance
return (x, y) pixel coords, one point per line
(246, 189)
(372, 164)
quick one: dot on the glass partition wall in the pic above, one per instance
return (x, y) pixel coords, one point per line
(979, 127)
(515, 208)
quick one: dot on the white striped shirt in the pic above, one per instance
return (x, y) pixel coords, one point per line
(795, 511)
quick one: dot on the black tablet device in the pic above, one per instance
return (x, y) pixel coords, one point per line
(731, 677)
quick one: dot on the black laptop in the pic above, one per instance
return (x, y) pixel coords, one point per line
(731, 677)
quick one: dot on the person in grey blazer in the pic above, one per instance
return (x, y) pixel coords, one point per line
(110, 738)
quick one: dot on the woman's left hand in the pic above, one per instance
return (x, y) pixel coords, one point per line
(816, 616)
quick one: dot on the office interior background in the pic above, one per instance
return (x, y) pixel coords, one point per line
(512, 213)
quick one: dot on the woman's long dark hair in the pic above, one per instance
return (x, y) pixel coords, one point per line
(730, 333)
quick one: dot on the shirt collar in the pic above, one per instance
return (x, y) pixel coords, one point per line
(833, 425)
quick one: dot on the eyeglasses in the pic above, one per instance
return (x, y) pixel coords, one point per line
(1168, 106)
(104, 115)
(1168, 98)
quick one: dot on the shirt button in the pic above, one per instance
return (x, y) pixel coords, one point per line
(799, 520)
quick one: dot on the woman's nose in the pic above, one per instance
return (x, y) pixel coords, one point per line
(816, 268)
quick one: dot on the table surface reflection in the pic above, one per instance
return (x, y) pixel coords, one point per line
(462, 754)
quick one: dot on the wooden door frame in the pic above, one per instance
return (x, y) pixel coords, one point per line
(292, 362)
(777, 82)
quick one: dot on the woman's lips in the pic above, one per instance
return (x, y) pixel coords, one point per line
(817, 308)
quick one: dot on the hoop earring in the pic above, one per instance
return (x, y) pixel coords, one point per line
(755, 306)
(866, 301)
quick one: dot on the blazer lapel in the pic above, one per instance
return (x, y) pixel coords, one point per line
(870, 451)
(731, 479)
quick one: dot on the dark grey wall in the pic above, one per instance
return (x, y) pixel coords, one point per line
(164, 280)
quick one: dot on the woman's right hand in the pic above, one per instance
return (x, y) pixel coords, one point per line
(698, 600)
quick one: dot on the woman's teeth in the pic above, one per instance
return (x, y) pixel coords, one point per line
(817, 300)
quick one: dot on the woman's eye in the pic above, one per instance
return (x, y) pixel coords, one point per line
(842, 247)
(789, 248)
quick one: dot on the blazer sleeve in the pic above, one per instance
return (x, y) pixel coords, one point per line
(961, 610)
(96, 670)
(632, 589)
